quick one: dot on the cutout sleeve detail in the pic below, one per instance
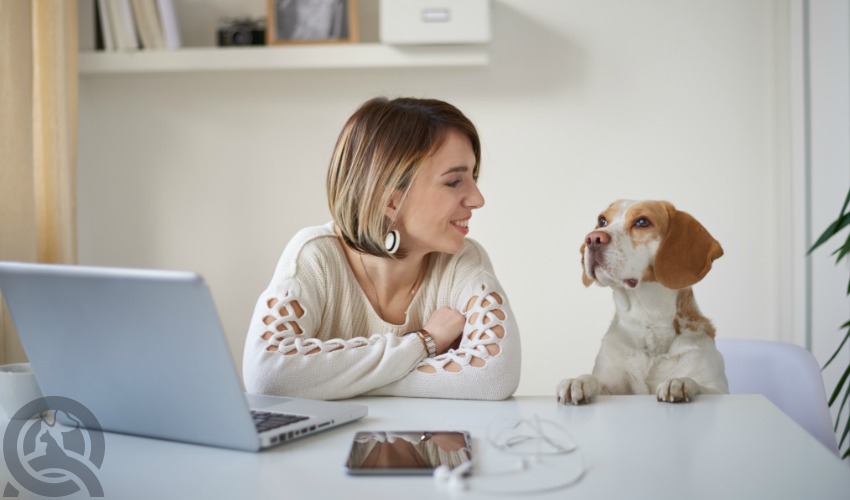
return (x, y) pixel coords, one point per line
(486, 365)
(286, 356)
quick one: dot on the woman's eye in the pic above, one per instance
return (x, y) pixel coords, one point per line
(454, 183)
(602, 222)
(642, 222)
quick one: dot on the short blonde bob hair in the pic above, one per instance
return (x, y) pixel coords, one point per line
(378, 153)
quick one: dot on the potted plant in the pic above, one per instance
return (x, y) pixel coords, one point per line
(842, 386)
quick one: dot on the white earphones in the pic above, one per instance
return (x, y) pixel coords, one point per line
(455, 480)
(540, 467)
(452, 479)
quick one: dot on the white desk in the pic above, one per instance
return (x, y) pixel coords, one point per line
(716, 447)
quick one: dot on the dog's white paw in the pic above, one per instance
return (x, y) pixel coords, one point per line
(677, 390)
(577, 390)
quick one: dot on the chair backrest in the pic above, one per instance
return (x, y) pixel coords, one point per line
(787, 375)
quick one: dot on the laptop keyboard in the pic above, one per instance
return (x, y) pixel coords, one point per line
(266, 420)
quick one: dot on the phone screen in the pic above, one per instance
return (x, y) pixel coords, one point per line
(407, 452)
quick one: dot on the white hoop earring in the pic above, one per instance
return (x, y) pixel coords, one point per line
(392, 241)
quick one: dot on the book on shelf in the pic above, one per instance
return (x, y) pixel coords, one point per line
(168, 18)
(104, 25)
(123, 25)
(128, 25)
(147, 20)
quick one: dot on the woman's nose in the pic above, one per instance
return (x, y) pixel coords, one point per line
(475, 199)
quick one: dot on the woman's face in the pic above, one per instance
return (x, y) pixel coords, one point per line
(436, 214)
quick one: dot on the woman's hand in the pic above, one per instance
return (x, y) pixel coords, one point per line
(445, 326)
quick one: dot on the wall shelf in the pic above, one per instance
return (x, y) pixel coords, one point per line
(293, 57)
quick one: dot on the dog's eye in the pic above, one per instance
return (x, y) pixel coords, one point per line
(642, 222)
(602, 222)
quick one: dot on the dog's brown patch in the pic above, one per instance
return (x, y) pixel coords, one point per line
(656, 212)
(688, 315)
(686, 251)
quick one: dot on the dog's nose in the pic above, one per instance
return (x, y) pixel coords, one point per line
(596, 239)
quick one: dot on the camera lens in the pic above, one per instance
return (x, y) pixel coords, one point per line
(235, 32)
(242, 37)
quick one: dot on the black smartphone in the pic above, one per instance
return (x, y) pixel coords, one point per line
(407, 452)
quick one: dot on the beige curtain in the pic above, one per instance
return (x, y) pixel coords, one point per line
(38, 139)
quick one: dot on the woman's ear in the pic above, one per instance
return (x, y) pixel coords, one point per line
(686, 252)
(392, 209)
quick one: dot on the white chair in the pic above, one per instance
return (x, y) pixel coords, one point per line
(787, 375)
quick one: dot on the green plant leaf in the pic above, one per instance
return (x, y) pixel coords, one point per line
(841, 408)
(839, 385)
(844, 434)
(846, 454)
(842, 250)
(846, 336)
(833, 229)
(846, 202)
(838, 420)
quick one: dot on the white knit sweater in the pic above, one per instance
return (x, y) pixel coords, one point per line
(314, 333)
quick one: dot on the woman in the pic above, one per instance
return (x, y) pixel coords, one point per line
(390, 298)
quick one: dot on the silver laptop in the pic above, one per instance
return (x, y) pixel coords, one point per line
(145, 352)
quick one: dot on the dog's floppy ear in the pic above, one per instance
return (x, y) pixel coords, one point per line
(686, 252)
(587, 280)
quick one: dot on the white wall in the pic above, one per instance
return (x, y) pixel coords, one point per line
(828, 177)
(584, 101)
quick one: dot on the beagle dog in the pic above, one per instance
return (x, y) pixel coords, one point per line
(650, 254)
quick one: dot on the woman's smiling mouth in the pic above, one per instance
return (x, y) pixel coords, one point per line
(461, 225)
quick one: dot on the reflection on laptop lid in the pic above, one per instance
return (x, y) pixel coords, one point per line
(145, 352)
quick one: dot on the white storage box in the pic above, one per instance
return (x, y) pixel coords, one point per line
(434, 21)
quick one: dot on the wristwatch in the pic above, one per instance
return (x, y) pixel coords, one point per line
(428, 342)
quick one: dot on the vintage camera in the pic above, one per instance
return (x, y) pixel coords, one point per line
(245, 31)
